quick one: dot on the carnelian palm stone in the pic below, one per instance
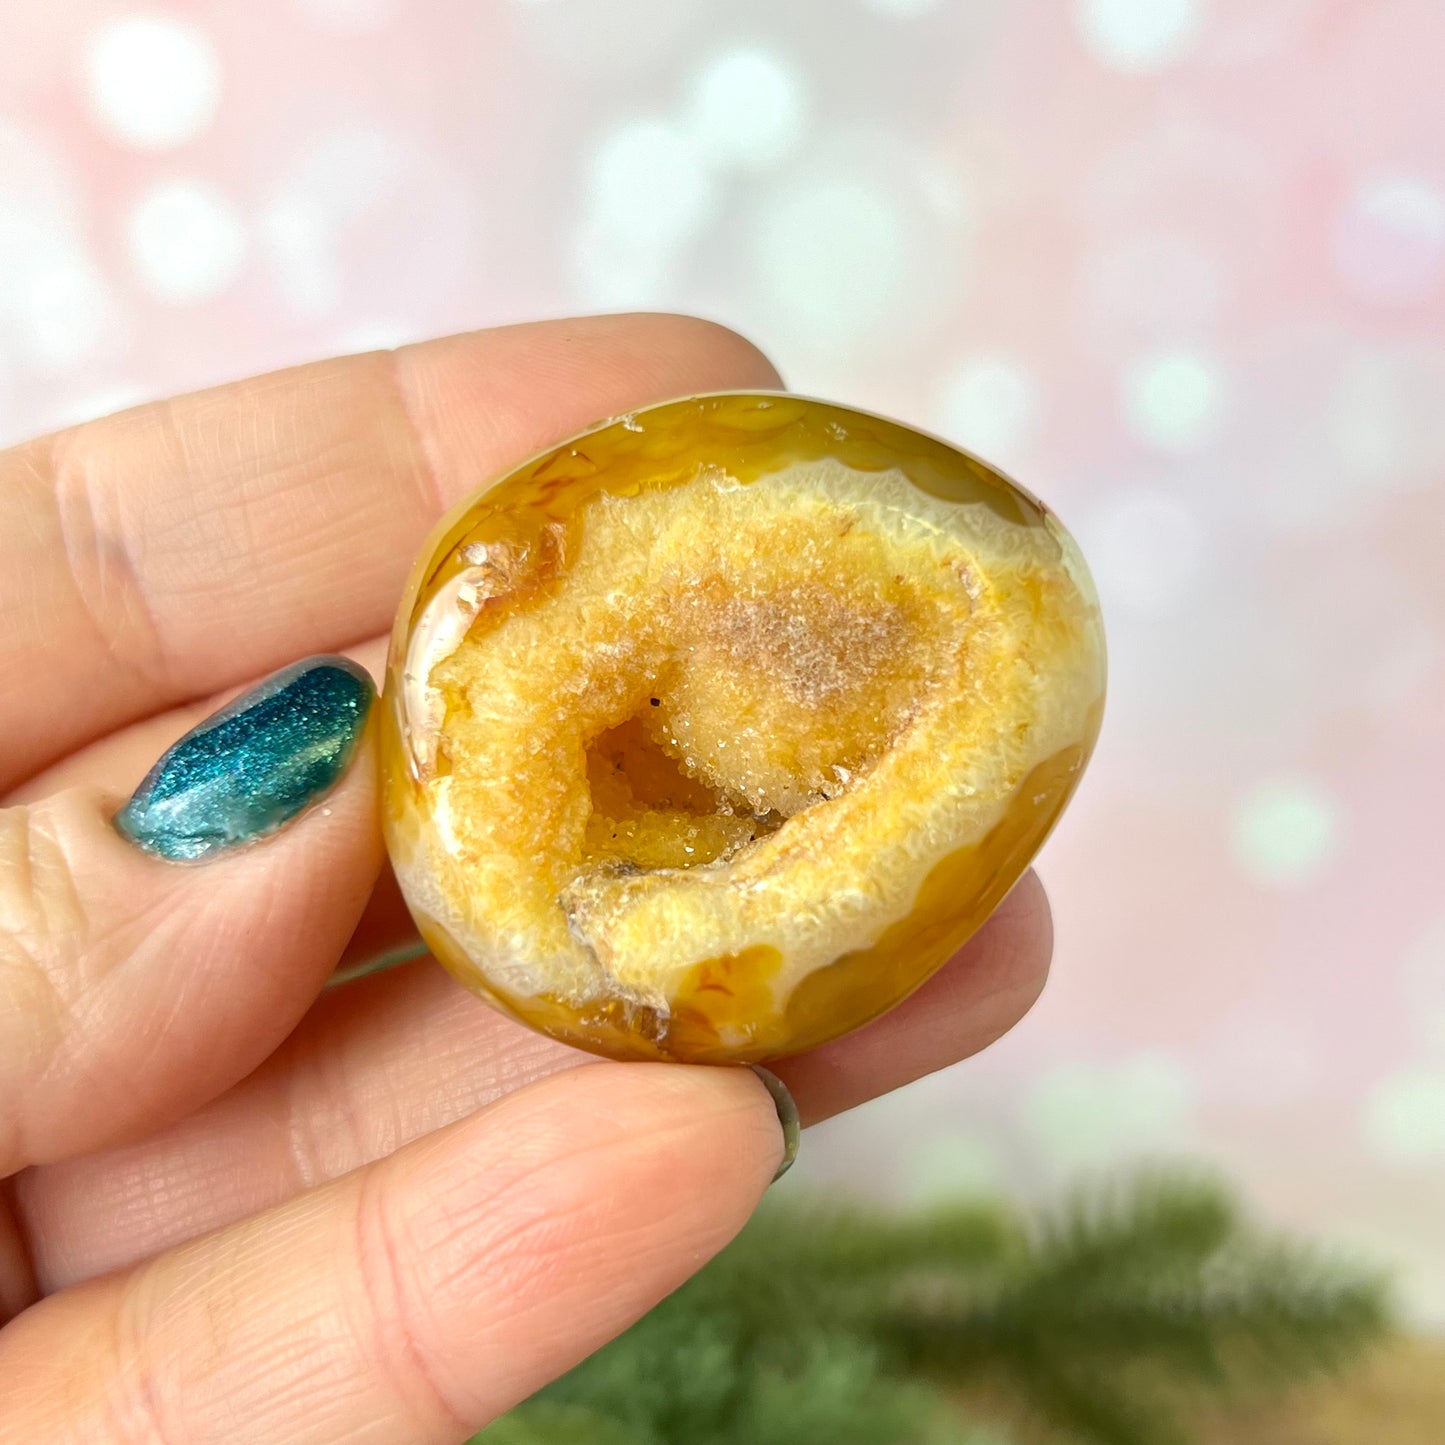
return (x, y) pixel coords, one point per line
(712, 732)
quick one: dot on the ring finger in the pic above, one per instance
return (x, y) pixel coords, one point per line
(396, 1055)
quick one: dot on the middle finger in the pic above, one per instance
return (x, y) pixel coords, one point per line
(400, 1054)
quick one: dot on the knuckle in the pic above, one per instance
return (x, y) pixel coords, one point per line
(40, 899)
(137, 1408)
(333, 1123)
(39, 907)
(398, 1336)
(101, 545)
(60, 939)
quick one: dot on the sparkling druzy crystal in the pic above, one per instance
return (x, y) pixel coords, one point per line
(711, 733)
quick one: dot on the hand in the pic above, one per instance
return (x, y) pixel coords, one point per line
(240, 1205)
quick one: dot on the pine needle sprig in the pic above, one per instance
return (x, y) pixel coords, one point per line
(1133, 1296)
(1106, 1319)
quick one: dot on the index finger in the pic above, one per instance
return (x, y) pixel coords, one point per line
(187, 546)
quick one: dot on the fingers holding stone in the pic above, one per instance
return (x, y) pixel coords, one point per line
(388, 1058)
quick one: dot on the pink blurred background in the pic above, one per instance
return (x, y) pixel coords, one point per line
(1179, 265)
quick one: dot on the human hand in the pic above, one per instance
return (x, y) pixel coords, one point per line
(239, 1205)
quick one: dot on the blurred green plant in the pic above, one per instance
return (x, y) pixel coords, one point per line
(1103, 1322)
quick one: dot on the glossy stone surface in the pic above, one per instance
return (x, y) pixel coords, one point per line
(711, 733)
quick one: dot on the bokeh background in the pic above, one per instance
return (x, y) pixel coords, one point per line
(1179, 265)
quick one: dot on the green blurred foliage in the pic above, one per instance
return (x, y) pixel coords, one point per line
(1101, 1321)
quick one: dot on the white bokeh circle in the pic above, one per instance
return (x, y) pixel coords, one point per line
(56, 312)
(990, 405)
(1388, 244)
(185, 240)
(747, 108)
(1174, 399)
(649, 181)
(1288, 832)
(650, 191)
(152, 81)
(1404, 1118)
(1139, 35)
(69, 310)
(852, 263)
(1084, 1115)
(832, 257)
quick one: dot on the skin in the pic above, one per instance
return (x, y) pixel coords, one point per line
(239, 1204)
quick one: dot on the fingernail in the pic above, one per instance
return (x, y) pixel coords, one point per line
(255, 765)
(787, 1117)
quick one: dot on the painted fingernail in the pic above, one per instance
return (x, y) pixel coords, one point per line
(252, 767)
(787, 1117)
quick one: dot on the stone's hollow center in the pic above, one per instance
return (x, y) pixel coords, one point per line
(787, 689)
(816, 646)
(767, 698)
(647, 812)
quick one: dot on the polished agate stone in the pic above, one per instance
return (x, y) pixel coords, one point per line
(712, 732)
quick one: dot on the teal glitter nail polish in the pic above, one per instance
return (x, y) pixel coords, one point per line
(252, 767)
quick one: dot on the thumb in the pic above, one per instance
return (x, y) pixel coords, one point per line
(414, 1299)
(150, 959)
